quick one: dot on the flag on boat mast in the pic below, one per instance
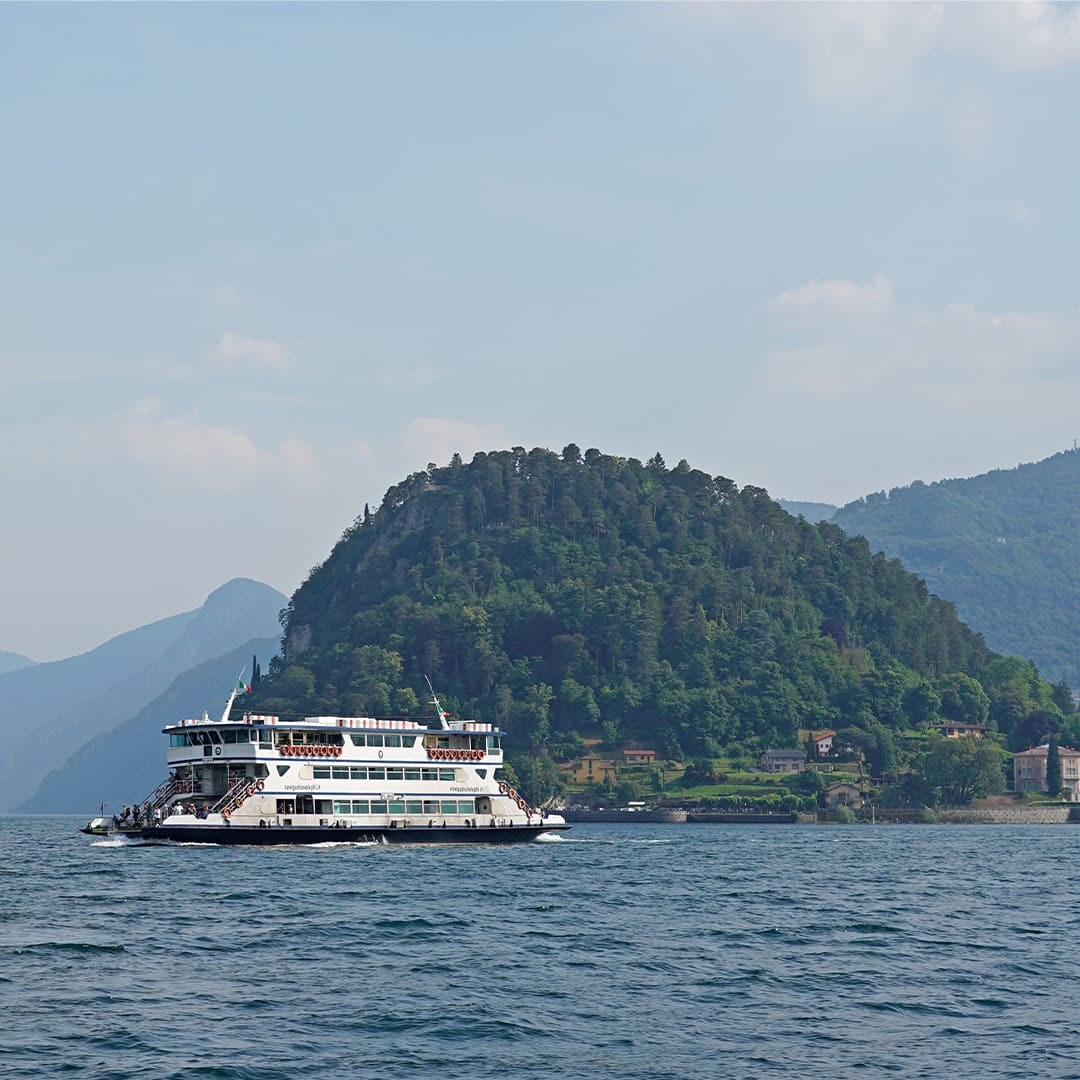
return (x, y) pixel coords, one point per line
(242, 687)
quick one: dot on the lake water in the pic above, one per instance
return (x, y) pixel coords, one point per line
(618, 951)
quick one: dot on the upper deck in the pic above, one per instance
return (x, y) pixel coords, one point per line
(259, 737)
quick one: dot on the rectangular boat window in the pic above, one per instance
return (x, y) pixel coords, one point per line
(214, 736)
(266, 737)
(446, 774)
(285, 806)
(321, 772)
(375, 773)
(493, 743)
(391, 740)
(430, 774)
(449, 806)
(378, 806)
(178, 740)
(358, 740)
(394, 773)
(414, 806)
(361, 806)
(431, 806)
(397, 807)
(323, 806)
(342, 808)
(466, 806)
(340, 772)
(357, 772)
(375, 740)
(412, 774)
(408, 740)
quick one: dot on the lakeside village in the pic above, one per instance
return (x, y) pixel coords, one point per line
(827, 782)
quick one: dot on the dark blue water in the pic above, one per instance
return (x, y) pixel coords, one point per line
(648, 951)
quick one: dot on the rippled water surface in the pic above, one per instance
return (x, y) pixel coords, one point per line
(648, 951)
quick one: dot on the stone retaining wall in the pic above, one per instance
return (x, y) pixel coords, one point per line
(1019, 815)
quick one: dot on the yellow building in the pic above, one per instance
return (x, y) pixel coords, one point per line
(590, 769)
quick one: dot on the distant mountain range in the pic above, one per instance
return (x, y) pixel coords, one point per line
(1004, 547)
(11, 661)
(127, 762)
(812, 511)
(49, 712)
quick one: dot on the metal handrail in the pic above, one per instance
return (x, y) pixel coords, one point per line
(238, 786)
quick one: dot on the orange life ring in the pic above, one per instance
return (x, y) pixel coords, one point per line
(337, 751)
(504, 787)
(259, 785)
(512, 793)
(226, 813)
(239, 801)
(250, 790)
(522, 804)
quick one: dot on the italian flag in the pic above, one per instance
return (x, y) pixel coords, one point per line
(242, 687)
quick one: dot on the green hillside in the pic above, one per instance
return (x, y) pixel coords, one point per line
(1004, 547)
(582, 595)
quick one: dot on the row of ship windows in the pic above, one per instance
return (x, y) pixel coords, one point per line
(378, 772)
(407, 806)
(311, 738)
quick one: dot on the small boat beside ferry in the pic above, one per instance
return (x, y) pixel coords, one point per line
(331, 779)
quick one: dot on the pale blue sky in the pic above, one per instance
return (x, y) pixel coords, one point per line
(260, 262)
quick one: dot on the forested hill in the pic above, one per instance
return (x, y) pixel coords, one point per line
(1005, 547)
(560, 596)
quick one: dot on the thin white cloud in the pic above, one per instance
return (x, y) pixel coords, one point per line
(235, 350)
(970, 121)
(860, 54)
(837, 296)
(206, 456)
(227, 296)
(437, 439)
(300, 459)
(1033, 35)
(959, 351)
(411, 378)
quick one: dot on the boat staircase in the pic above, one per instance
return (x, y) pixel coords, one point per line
(234, 796)
(159, 798)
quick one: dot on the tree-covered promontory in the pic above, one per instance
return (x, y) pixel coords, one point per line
(563, 596)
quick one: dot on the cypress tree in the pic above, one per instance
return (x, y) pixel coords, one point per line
(1053, 768)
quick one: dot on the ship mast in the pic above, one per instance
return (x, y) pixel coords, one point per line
(438, 708)
(232, 696)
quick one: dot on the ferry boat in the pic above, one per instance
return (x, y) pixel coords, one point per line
(332, 779)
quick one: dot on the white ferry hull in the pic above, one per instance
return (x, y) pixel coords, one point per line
(344, 834)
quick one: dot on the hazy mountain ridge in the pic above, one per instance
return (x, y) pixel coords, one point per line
(128, 761)
(137, 672)
(814, 512)
(1003, 546)
(10, 661)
